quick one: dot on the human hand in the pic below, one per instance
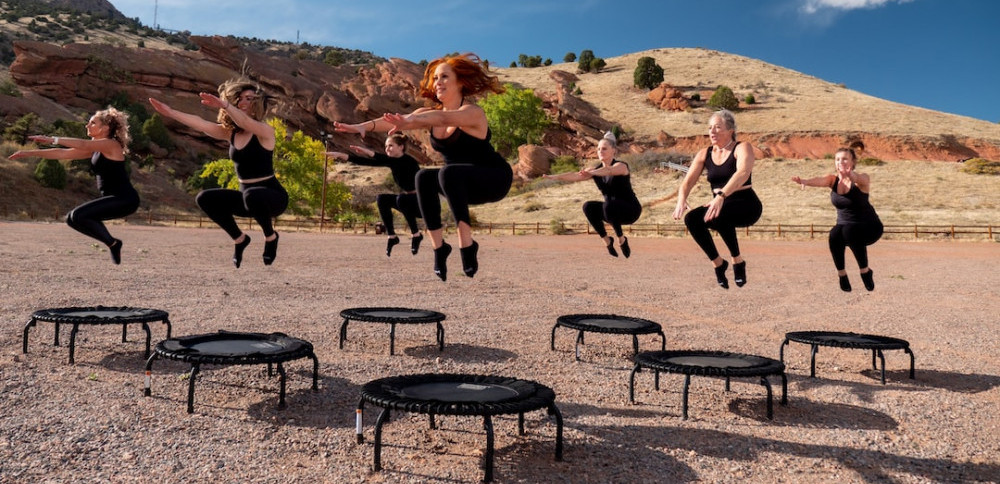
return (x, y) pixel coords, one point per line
(680, 209)
(16, 155)
(337, 155)
(359, 129)
(714, 208)
(42, 139)
(212, 101)
(363, 150)
(798, 180)
(399, 122)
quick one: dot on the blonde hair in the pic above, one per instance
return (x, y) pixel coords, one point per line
(117, 123)
(230, 92)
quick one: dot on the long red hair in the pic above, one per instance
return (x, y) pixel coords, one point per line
(471, 72)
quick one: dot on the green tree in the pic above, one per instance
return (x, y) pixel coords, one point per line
(597, 64)
(647, 74)
(155, 130)
(333, 58)
(50, 174)
(583, 62)
(723, 98)
(298, 164)
(22, 128)
(569, 57)
(516, 117)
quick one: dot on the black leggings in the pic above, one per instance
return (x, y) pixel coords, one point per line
(407, 205)
(858, 237)
(262, 201)
(88, 218)
(614, 212)
(462, 185)
(740, 209)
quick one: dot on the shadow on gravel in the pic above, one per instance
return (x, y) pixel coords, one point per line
(462, 353)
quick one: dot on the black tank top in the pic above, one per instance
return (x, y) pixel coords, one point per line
(112, 178)
(852, 207)
(461, 147)
(404, 169)
(719, 175)
(253, 161)
(616, 187)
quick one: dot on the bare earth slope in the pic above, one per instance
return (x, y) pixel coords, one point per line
(90, 422)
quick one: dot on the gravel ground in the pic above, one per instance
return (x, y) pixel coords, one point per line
(89, 422)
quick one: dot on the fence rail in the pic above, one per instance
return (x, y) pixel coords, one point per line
(791, 231)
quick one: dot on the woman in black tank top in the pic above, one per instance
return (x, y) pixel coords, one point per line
(858, 226)
(734, 204)
(473, 173)
(106, 148)
(620, 205)
(240, 121)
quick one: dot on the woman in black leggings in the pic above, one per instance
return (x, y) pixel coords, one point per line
(729, 164)
(404, 171)
(858, 226)
(241, 105)
(106, 148)
(474, 173)
(620, 205)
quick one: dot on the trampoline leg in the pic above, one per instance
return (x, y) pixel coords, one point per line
(343, 332)
(488, 461)
(382, 417)
(881, 358)
(145, 327)
(907, 349)
(125, 332)
(357, 420)
(149, 375)
(631, 383)
(552, 340)
(874, 354)
(663, 341)
(559, 431)
(579, 341)
(24, 346)
(281, 392)
(767, 385)
(166, 321)
(270, 370)
(520, 423)
(784, 389)
(55, 341)
(315, 371)
(440, 336)
(432, 422)
(191, 378)
(781, 350)
(812, 361)
(727, 384)
(72, 342)
(656, 380)
(684, 398)
(392, 338)
(635, 344)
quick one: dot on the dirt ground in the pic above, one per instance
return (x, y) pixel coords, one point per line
(90, 422)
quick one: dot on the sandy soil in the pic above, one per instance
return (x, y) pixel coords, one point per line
(89, 422)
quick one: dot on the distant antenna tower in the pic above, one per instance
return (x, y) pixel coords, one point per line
(156, 5)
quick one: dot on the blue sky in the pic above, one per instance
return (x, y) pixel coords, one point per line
(937, 54)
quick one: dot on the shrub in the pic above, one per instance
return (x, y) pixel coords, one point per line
(154, 129)
(564, 164)
(577, 91)
(647, 74)
(516, 117)
(548, 62)
(869, 161)
(557, 227)
(696, 97)
(979, 166)
(583, 62)
(569, 57)
(9, 88)
(597, 64)
(750, 99)
(513, 64)
(723, 98)
(50, 174)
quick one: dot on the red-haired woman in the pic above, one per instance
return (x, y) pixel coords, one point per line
(106, 148)
(474, 173)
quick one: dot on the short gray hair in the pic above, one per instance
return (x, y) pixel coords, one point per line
(727, 117)
(610, 137)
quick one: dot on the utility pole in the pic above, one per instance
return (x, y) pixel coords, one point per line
(156, 6)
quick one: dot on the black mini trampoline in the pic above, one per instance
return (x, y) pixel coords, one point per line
(877, 344)
(96, 315)
(392, 317)
(449, 394)
(228, 348)
(608, 324)
(710, 363)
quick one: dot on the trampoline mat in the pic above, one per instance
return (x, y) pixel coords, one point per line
(458, 394)
(237, 347)
(99, 314)
(847, 340)
(710, 363)
(393, 315)
(609, 323)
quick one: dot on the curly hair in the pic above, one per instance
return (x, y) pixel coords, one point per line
(230, 92)
(471, 72)
(117, 123)
(400, 139)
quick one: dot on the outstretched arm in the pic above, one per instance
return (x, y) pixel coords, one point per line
(263, 131)
(76, 148)
(470, 117)
(215, 130)
(572, 176)
(825, 181)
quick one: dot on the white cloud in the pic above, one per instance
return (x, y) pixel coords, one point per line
(818, 6)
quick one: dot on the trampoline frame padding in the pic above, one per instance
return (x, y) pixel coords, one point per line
(96, 315)
(837, 339)
(588, 323)
(713, 364)
(270, 349)
(393, 316)
(429, 394)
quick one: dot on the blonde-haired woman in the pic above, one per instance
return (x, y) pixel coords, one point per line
(620, 205)
(241, 105)
(858, 226)
(474, 173)
(106, 148)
